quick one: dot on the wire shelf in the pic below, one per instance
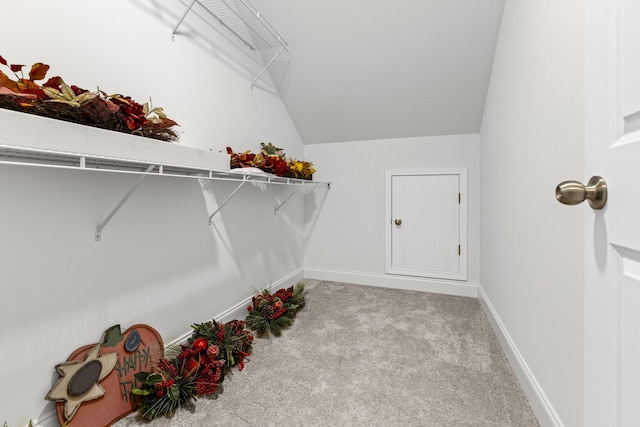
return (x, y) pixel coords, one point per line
(244, 21)
(56, 159)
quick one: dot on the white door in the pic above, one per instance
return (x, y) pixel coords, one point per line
(426, 223)
(612, 239)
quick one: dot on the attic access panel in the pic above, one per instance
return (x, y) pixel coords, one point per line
(426, 223)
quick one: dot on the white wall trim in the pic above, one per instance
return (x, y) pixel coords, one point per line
(542, 407)
(465, 289)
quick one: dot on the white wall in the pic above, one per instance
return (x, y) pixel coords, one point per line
(159, 262)
(532, 246)
(348, 241)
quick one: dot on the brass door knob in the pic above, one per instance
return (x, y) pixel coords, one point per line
(574, 192)
(397, 221)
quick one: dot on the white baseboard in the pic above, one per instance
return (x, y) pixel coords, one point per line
(542, 407)
(465, 289)
(239, 310)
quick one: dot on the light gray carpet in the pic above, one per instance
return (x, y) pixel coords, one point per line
(367, 356)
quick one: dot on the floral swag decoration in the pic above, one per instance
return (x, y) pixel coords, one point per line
(57, 100)
(201, 364)
(272, 159)
(271, 313)
(197, 370)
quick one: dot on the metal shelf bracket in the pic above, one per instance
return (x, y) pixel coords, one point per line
(233, 193)
(122, 202)
(184, 15)
(288, 198)
(266, 67)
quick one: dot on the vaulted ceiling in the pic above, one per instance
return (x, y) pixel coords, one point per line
(372, 69)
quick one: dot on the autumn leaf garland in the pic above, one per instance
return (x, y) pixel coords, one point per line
(273, 160)
(58, 100)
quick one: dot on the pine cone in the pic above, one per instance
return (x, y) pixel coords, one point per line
(238, 345)
(268, 311)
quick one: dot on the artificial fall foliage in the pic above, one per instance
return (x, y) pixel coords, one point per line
(273, 160)
(271, 313)
(58, 100)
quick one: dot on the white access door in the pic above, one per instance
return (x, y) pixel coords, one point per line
(612, 238)
(426, 224)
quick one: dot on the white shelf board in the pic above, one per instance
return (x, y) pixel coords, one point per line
(27, 139)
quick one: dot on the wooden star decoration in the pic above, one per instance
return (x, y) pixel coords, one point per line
(79, 380)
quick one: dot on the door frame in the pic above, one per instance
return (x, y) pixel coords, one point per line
(462, 219)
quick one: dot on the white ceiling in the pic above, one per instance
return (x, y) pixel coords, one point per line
(372, 69)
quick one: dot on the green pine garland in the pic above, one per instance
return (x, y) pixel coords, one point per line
(165, 390)
(271, 313)
(200, 366)
(212, 350)
(234, 341)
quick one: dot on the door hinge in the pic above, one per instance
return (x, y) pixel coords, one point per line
(459, 250)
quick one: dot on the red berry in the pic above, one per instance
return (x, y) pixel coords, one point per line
(200, 344)
(213, 351)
